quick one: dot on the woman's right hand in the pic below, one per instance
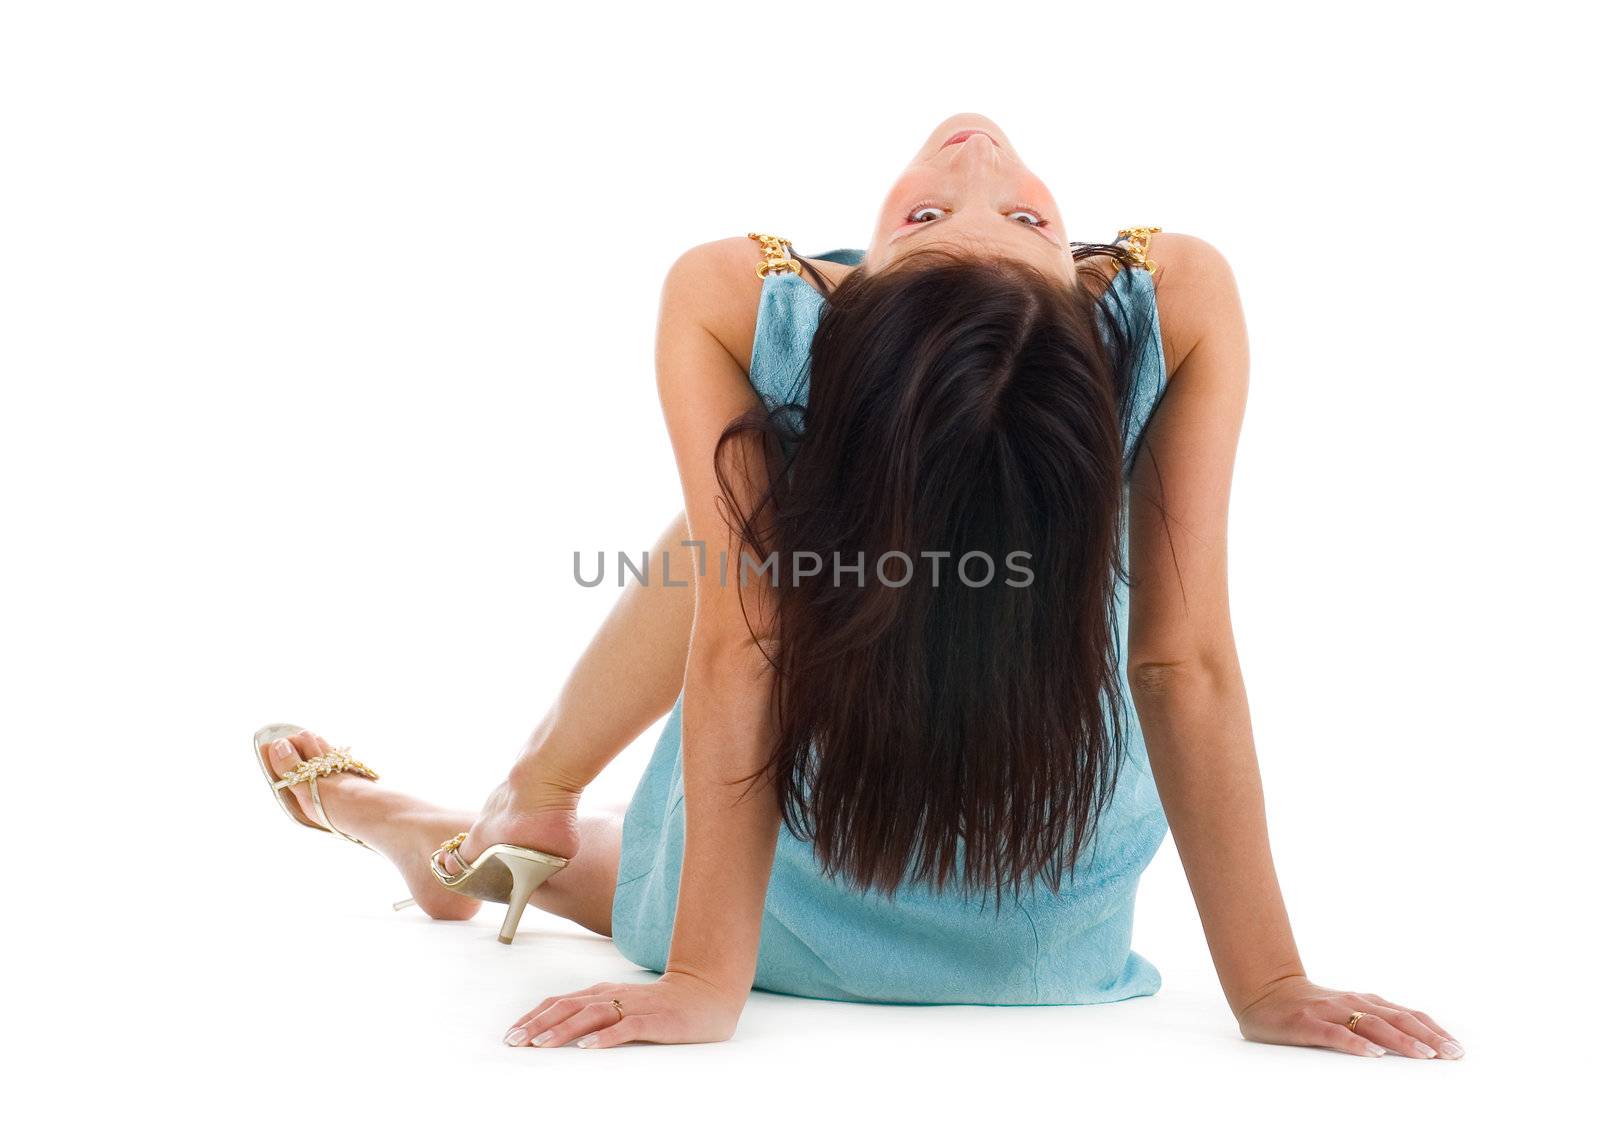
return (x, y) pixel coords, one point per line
(679, 1007)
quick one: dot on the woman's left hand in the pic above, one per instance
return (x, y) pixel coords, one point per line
(675, 1008)
(1296, 1012)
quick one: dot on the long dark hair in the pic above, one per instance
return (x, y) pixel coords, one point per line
(937, 729)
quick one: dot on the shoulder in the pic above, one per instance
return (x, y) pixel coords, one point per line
(713, 287)
(1196, 296)
(717, 264)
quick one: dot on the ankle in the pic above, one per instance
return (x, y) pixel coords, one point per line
(540, 781)
(534, 794)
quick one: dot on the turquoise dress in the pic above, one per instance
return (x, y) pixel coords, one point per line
(821, 939)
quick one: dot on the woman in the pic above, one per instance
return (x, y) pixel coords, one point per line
(956, 652)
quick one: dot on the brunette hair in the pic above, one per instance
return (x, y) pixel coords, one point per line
(941, 731)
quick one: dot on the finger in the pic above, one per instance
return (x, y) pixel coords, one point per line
(528, 1016)
(592, 1016)
(1449, 1047)
(629, 1028)
(1430, 1031)
(530, 1029)
(1426, 1020)
(1337, 1036)
(587, 992)
(1408, 1023)
(533, 1029)
(1375, 1028)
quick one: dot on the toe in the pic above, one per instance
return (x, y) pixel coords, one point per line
(309, 745)
(465, 850)
(283, 757)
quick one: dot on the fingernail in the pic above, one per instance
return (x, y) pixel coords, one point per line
(543, 1038)
(1424, 1049)
(1376, 1051)
(1451, 1049)
(588, 1040)
(517, 1037)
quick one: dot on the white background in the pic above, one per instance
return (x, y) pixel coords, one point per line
(326, 337)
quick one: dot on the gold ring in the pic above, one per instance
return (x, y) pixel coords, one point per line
(1355, 1017)
(619, 1008)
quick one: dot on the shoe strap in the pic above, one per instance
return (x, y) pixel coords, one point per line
(339, 760)
(319, 767)
(451, 849)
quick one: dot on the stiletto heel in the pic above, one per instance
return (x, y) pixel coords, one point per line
(526, 876)
(504, 874)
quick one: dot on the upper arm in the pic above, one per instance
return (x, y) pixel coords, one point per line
(1178, 496)
(706, 325)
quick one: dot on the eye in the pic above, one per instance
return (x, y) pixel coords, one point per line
(1027, 216)
(927, 213)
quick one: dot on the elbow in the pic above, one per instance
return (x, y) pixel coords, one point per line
(1155, 680)
(721, 657)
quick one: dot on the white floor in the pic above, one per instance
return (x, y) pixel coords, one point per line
(308, 996)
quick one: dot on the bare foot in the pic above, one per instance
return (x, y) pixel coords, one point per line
(402, 829)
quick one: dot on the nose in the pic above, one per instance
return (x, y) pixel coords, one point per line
(976, 142)
(976, 154)
(976, 162)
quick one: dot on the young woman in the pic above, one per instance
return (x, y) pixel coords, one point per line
(956, 651)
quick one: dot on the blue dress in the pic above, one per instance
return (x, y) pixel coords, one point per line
(821, 939)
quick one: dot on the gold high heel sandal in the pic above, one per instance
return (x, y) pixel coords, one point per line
(309, 771)
(504, 874)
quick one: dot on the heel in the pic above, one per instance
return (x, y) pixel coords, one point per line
(527, 874)
(504, 874)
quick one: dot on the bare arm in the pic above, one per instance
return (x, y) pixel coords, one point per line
(1187, 684)
(1182, 664)
(627, 678)
(703, 344)
(708, 305)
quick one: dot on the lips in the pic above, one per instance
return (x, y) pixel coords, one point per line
(957, 138)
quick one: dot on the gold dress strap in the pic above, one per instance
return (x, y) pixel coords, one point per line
(774, 255)
(1139, 245)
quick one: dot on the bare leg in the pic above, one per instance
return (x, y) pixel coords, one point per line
(583, 891)
(406, 830)
(627, 678)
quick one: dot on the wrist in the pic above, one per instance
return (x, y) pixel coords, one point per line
(726, 988)
(1242, 1001)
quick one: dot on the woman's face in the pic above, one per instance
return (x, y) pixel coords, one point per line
(966, 189)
